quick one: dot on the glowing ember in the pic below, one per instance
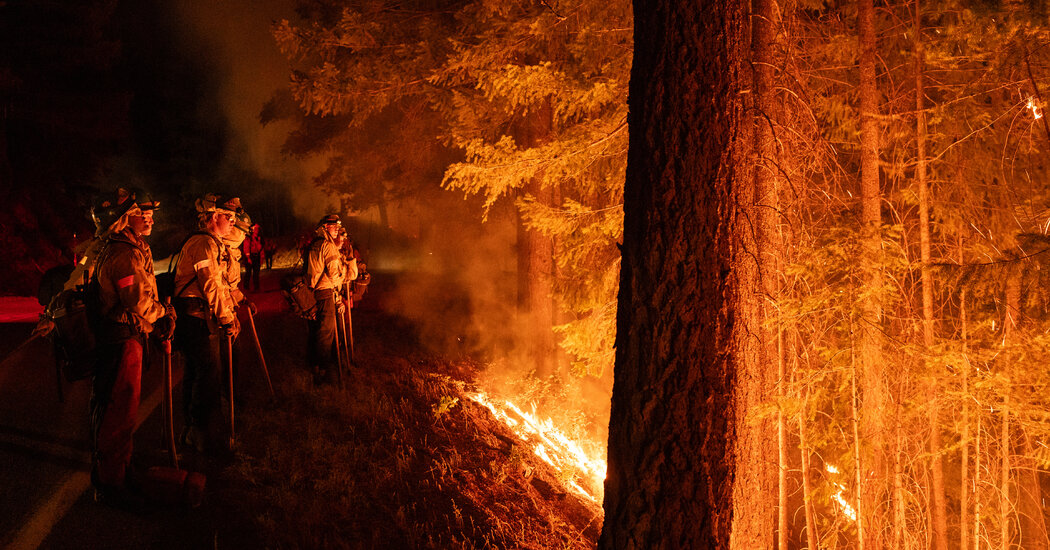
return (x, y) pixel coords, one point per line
(554, 447)
(1035, 109)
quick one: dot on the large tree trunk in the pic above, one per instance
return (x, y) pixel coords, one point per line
(874, 392)
(671, 432)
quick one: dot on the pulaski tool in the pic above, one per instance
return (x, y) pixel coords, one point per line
(171, 484)
(258, 347)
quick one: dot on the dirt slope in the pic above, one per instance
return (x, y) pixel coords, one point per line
(399, 458)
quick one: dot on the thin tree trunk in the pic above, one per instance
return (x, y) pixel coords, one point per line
(672, 432)
(873, 405)
(803, 447)
(977, 486)
(898, 475)
(1004, 476)
(759, 269)
(964, 475)
(1010, 326)
(536, 267)
(807, 491)
(862, 505)
(1030, 495)
(940, 506)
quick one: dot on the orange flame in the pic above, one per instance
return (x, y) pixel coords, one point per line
(553, 447)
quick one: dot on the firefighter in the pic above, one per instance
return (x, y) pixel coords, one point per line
(241, 228)
(253, 254)
(129, 311)
(352, 259)
(325, 273)
(206, 318)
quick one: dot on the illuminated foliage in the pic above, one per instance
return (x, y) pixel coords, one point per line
(506, 101)
(527, 93)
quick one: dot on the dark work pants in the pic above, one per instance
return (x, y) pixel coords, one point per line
(115, 393)
(321, 343)
(202, 380)
(252, 280)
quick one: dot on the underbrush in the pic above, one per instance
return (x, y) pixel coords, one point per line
(399, 459)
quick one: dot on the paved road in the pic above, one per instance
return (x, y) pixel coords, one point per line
(45, 458)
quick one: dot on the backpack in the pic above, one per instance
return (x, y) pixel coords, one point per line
(361, 285)
(166, 280)
(297, 293)
(299, 296)
(75, 314)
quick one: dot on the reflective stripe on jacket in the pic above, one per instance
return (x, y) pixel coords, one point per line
(233, 274)
(324, 264)
(201, 272)
(127, 287)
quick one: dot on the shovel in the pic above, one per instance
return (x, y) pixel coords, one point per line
(338, 336)
(172, 485)
(168, 411)
(349, 324)
(229, 370)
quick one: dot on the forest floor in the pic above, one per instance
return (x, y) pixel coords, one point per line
(401, 456)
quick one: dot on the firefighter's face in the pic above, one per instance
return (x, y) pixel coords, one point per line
(141, 222)
(221, 223)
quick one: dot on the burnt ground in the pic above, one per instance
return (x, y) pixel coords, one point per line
(397, 458)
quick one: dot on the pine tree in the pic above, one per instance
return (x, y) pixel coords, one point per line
(671, 441)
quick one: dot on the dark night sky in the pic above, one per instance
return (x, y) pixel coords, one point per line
(201, 72)
(156, 94)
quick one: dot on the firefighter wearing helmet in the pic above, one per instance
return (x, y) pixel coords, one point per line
(241, 228)
(130, 311)
(325, 273)
(206, 317)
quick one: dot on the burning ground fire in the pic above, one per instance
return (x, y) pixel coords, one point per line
(551, 445)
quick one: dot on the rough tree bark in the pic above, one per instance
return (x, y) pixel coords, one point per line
(874, 392)
(671, 430)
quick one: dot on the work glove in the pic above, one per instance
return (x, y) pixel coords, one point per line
(231, 329)
(164, 328)
(250, 305)
(169, 311)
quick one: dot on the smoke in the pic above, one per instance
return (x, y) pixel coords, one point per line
(247, 69)
(456, 279)
(453, 276)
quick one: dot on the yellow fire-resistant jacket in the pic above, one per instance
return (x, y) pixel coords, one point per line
(325, 267)
(201, 271)
(127, 287)
(233, 272)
